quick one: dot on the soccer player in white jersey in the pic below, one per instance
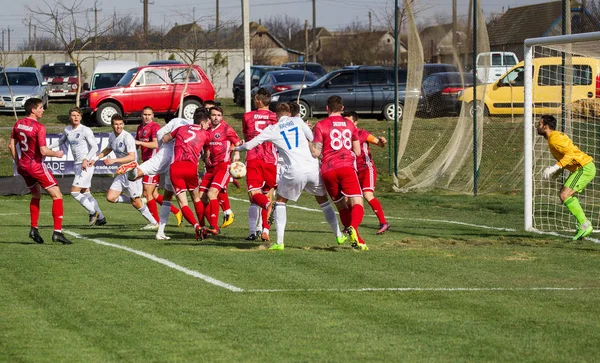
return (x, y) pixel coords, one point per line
(159, 163)
(122, 144)
(299, 170)
(83, 147)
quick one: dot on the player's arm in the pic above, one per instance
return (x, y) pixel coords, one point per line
(125, 159)
(13, 149)
(44, 150)
(61, 140)
(356, 147)
(90, 139)
(307, 132)
(148, 144)
(316, 148)
(259, 139)
(167, 138)
(379, 141)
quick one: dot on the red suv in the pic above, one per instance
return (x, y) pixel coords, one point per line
(157, 86)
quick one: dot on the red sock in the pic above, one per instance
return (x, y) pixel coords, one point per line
(357, 213)
(188, 215)
(224, 201)
(376, 206)
(206, 214)
(345, 217)
(260, 200)
(214, 213)
(199, 207)
(34, 211)
(57, 213)
(265, 217)
(151, 204)
(159, 199)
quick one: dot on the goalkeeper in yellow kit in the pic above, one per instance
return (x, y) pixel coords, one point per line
(580, 164)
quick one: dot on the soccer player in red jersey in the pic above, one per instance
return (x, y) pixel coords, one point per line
(223, 139)
(336, 139)
(367, 172)
(189, 142)
(30, 134)
(145, 139)
(261, 164)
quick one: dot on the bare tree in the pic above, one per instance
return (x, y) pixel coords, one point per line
(282, 27)
(61, 21)
(4, 79)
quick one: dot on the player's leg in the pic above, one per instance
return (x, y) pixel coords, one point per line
(82, 181)
(34, 211)
(280, 222)
(576, 183)
(350, 187)
(159, 199)
(213, 207)
(228, 215)
(165, 210)
(331, 218)
(57, 214)
(134, 188)
(367, 179)
(149, 189)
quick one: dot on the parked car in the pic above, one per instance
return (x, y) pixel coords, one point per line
(157, 86)
(109, 73)
(364, 89)
(257, 72)
(492, 65)
(167, 61)
(440, 92)
(285, 80)
(62, 79)
(25, 83)
(315, 68)
(506, 96)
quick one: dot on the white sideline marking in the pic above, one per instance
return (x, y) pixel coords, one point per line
(434, 289)
(162, 261)
(595, 240)
(400, 218)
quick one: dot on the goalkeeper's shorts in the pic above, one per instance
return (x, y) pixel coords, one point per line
(580, 178)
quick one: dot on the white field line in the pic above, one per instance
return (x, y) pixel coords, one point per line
(595, 240)
(232, 288)
(162, 261)
(400, 218)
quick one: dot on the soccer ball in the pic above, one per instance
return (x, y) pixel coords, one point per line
(237, 169)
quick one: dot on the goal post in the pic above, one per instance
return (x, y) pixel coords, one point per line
(569, 90)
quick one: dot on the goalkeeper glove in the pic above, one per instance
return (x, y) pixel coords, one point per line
(550, 170)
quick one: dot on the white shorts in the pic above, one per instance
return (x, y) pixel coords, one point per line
(83, 178)
(309, 182)
(159, 163)
(133, 188)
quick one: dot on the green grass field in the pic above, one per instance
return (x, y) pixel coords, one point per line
(455, 279)
(428, 290)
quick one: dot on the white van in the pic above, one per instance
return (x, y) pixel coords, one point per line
(108, 73)
(492, 65)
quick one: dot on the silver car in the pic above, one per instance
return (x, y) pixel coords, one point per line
(25, 83)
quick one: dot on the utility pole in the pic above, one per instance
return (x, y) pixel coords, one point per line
(2, 39)
(8, 30)
(95, 10)
(146, 3)
(314, 31)
(217, 25)
(29, 39)
(454, 27)
(34, 38)
(306, 40)
(370, 22)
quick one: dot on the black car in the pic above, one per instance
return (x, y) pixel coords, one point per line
(315, 68)
(257, 72)
(440, 92)
(364, 89)
(284, 80)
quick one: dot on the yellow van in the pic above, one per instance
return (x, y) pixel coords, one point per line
(506, 95)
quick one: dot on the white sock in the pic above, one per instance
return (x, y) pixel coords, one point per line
(280, 221)
(228, 212)
(93, 200)
(123, 199)
(81, 198)
(331, 218)
(253, 214)
(163, 214)
(146, 213)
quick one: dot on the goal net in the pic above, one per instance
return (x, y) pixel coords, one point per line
(562, 78)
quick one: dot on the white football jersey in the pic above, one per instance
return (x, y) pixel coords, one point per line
(81, 140)
(170, 127)
(291, 136)
(122, 145)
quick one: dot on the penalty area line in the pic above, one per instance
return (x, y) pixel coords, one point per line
(162, 261)
(426, 289)
(401, 218)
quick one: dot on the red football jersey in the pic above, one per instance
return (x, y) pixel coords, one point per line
(30, 135)
(336, 134)
(147, 133)
(220, 141)
(364, 160)
(188, 143)
(253, 123)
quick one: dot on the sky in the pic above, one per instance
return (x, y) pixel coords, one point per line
(331, 14)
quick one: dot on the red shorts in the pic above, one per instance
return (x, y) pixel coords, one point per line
(260, 175)
(341, 182)
(35, 173)
(184, 176)
(368, 178)
(151, 179)
(216, 176)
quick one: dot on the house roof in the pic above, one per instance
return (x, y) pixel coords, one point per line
(523, 22)
(436, 31)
